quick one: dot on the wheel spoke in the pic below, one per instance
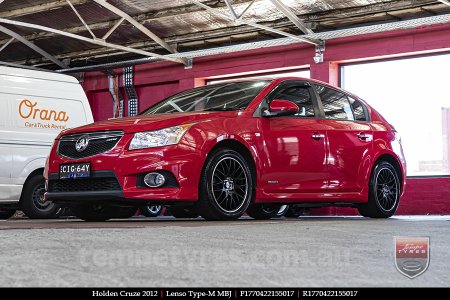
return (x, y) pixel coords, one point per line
(220, 199)
(219, 176)
(232, 199)
(228, 165)
(220, 173)
(222, 168)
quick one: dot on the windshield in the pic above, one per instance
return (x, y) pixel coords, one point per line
(218, 97)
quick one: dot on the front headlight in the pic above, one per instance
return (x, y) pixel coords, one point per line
(157, 138)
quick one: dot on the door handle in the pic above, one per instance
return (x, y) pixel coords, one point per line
(318, 136)
(365, 137)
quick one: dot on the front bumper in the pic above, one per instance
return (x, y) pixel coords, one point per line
(182, 161)
(101, 186)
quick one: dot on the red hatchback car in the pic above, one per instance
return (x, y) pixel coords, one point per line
(222, 150)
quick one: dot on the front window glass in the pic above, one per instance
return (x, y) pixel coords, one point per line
(219, 97)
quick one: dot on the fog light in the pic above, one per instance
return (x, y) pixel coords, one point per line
(154, 180)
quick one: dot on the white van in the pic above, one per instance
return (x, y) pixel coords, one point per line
(34, 107)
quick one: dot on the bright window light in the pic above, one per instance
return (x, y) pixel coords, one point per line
(413, 95)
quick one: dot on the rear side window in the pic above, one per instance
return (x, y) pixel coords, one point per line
(298, 94)
(359, 111)
(335, 104)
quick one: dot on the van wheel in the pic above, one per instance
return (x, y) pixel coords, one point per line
(32, 200)
(226, 186)
(384, 192)
(94, 213)
(266, 211)
(6, 213)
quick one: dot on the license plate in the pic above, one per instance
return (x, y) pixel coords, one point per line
(80, 170)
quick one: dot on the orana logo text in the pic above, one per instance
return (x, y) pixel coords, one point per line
(28, 109)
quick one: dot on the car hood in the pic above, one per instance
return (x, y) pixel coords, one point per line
(149, 122)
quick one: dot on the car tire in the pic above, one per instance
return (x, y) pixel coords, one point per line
(183, 212)
(226, 186)
(94, 213)
(266, 211)
(6, 213)
(151, 211)
(384, 192)
(31, 201)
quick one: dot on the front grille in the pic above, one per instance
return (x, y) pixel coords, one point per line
(98, 142)
(84, 185)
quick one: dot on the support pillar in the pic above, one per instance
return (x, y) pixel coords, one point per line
(327, 71)
(190, 83)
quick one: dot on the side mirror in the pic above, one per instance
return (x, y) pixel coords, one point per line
(281, 108)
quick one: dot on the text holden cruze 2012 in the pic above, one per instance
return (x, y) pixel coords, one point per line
(222, 150)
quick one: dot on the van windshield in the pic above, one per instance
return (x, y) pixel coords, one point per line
(217, 97)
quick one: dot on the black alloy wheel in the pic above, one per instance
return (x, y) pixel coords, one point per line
(226, 188)
(384, 192)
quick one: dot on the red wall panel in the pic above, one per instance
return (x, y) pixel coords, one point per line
(151, 94)
(426, 196)
(101, 105)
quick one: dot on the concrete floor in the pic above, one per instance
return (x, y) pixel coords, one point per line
(326, 251)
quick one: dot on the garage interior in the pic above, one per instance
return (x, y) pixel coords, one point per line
(130, 54)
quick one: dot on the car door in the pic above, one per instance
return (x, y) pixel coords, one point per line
(349, 138)
(294, 145)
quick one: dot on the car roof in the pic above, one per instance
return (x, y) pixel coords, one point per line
(277, 80)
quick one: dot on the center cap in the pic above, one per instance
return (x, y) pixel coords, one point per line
(386, 190)
(228, 184)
